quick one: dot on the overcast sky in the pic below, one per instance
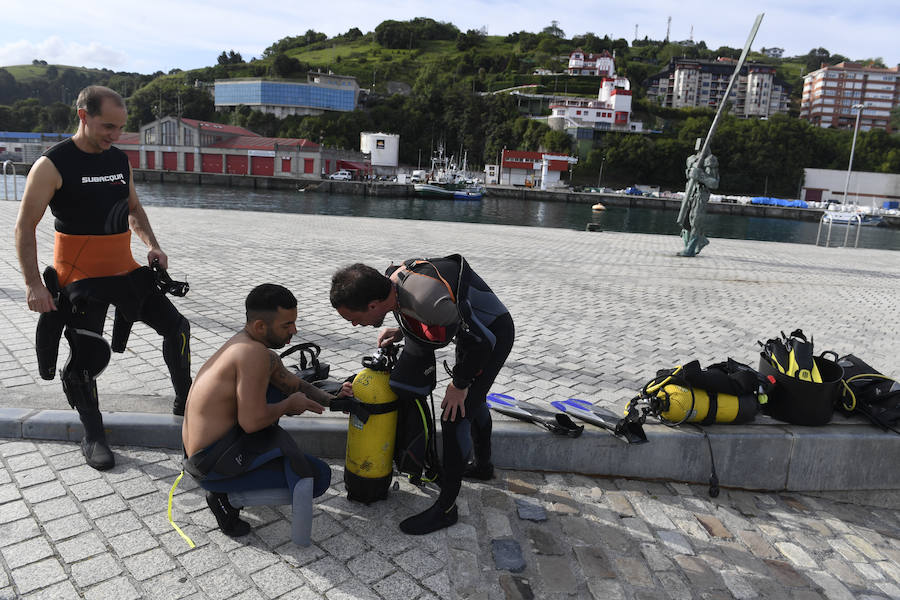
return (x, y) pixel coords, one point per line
(160, 35)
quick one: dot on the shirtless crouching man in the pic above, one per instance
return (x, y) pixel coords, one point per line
(232, 441)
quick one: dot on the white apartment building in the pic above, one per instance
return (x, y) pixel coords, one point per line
(830, 94)
(686, 82)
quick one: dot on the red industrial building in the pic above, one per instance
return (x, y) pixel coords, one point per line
(518, 167)
(191, 146)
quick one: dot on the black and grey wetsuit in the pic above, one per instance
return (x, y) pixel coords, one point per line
(441, 300)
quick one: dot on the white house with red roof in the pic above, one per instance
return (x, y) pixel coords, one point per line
(598, 65)
(609, 111)
(192, 146)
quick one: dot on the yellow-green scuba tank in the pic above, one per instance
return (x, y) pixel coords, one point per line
(372, 431)
(727, 392)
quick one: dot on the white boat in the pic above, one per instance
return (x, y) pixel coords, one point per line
(851, 217)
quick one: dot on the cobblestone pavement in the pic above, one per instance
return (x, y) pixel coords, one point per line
(597, 314)
(69, 531)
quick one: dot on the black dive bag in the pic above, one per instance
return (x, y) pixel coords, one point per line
(870, 393)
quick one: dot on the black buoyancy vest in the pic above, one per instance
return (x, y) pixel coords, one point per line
(445, 292)
(93, 199)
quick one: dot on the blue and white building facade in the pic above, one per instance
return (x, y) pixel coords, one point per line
(321, 93)
(27, 147)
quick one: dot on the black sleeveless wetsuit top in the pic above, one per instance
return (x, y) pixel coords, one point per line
(93, 199)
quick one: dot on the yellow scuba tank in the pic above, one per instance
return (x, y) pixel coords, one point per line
(371, 432)
(673, 399)
(678, 405)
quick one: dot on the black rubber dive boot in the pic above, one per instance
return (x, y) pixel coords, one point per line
(178, 406)
(479, 470)
(433, 519)
(227, 516)
(83, 396)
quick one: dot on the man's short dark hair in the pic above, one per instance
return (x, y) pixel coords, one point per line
(91, 99)
(354, 287)
(264, 300)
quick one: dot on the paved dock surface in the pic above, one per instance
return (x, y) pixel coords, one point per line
(596, 314)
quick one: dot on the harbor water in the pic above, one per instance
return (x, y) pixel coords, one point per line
(530, 213)
(505, 211)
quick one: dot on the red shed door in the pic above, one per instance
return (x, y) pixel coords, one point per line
(134, 158)
(151, 160)
(236, 164)
(262, 165)
(189, 161)
(211, 163)
(170, 161)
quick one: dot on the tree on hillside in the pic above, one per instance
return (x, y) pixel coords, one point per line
(57, 118)
(876, 62)
(161, 96)
(353, 34)
(554, 30)
(231, 58)
(285, 66)
(469, 39)
(411, 34)
(9, 88)
(815, 58)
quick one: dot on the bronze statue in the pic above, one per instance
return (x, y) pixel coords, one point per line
(703, 169)
(701, 179)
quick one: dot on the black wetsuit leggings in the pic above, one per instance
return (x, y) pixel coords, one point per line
(455, 434)
(158, 312)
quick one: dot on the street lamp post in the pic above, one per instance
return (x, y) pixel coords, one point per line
(600, 175)
(859, 108)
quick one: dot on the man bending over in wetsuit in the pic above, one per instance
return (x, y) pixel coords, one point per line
(231, 436)
(435, 302)
(87, 183)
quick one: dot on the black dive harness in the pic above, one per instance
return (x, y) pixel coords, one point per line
(383, 360)
(51, 324)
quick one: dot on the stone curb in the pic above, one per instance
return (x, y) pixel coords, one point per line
(759, 457)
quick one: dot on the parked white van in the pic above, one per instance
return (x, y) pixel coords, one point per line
(342, 174)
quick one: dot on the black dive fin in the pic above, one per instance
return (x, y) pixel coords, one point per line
(801, 363)
(629, 429)
(558, 423)
(50, 327)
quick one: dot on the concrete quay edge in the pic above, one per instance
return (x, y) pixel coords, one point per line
(772, 457)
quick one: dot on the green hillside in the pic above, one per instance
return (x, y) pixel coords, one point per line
(448, 75)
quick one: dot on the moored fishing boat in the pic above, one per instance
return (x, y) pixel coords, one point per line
(447, 180)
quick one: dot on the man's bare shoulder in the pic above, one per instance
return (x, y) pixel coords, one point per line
(43, 167)
(242, 348)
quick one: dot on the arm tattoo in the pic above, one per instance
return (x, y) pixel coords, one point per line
(281, 378)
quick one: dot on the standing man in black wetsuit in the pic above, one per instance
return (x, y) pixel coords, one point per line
(435, 302)
(87, 184)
